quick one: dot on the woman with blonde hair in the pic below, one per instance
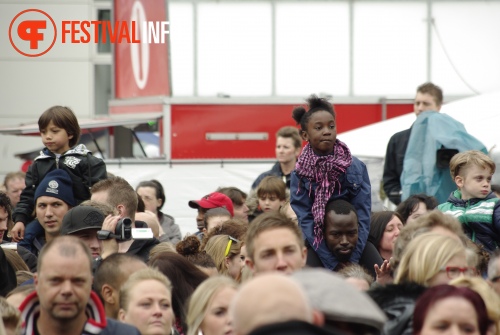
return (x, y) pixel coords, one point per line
(433, 222)
(432, 259)
(146, 302)
(490, 298)
(225, 250)
(428, 260)
(208, 307)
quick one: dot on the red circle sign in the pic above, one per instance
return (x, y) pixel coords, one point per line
(33, 36)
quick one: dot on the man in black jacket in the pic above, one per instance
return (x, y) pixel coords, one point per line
(429, 98)
(119, 194)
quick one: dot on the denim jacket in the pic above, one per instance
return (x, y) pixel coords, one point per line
(355, 188)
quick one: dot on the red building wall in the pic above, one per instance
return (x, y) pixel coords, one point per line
(190, 123)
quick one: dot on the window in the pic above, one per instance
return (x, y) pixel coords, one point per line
(103, 15)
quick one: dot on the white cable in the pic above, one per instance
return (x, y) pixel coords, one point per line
(449, 59)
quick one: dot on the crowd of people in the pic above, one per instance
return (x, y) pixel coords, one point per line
(83, 252)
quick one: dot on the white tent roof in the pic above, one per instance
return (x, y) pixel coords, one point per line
(479, 114)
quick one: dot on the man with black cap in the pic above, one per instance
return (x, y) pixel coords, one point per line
(212, 200)
(84, 222)
(53, 199)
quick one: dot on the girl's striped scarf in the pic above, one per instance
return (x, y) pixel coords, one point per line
(325, 171)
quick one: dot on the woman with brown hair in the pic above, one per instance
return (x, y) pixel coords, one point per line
(185, 278)
(384, 230)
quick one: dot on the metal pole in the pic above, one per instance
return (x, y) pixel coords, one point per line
(195, 49)
(273, 47)
(429, 39)
(351, 48)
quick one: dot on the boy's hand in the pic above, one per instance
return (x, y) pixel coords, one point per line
(17, 232)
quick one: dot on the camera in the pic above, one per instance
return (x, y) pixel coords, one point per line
(123, 231)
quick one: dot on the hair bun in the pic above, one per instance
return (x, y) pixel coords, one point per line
(190, 245)
(298, 113)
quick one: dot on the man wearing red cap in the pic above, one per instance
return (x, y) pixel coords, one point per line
(212, 200)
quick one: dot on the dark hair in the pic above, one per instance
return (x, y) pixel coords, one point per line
(495, 188)
(433, 90)
(189, 247)
(233, 227)
(378, 222)
(141, 206)
(64, 118)
(214, 212)
(433, 294)
(109, 271)
(340, 206)
(6, 204)
(159, 191)
(185, 278)
(407, 207)
(236, 195)
(290, 132)
(315, 104)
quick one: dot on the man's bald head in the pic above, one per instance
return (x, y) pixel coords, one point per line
(252, 308)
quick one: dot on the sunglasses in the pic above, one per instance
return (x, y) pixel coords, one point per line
(229, 244)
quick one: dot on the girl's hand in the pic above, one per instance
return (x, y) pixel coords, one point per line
(383, 273)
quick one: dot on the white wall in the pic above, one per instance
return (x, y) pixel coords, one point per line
(354, 48)
(28, 86)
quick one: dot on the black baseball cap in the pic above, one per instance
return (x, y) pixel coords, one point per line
(81, 218)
